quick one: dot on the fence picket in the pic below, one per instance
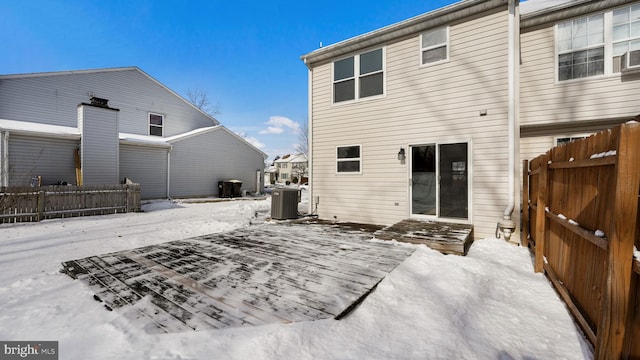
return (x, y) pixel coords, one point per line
(20, 204)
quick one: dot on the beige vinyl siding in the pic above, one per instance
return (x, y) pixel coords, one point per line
(421, 105)
(545, 100)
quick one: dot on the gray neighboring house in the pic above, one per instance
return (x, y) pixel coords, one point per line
(120, 123)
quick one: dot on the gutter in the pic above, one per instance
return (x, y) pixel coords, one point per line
(417, 24)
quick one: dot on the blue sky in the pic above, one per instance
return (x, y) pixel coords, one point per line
(244, 54)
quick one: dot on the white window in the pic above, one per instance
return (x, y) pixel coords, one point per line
(348, 159)
(594, 45)
(358, 76)
(284, 176)
(580, 45)
(156, 124)
(626, 34)
(434, 46)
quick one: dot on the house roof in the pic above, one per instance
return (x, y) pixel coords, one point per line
(39, 129)
(438, 17)
(292, 158)
(541, 12)
(91, 71)
(67, 132)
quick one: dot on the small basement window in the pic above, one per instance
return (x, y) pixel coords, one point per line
(156, 124)
(348, 159)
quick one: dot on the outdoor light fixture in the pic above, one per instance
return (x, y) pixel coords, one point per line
(401, 155)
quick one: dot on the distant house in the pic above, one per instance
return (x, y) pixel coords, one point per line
(292, 168)
(429, 118)
(120, 123)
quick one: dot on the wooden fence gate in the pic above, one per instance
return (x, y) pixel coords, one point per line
(580, 218)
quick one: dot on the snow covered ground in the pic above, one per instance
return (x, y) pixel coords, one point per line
(487, 305)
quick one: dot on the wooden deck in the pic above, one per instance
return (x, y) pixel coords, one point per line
(270, 273)
(448, 238)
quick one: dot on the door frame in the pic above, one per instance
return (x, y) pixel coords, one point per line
(437, 217)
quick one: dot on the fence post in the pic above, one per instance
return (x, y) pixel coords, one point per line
(40, 206)
(525, 203)
(619, 266)
(541, 216)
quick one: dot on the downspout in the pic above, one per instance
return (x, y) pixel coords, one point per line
(312, 200)
(4, 160)
(169, 172)
(507, 225)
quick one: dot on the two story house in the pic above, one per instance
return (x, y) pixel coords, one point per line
(102, 126)
(429, 118)
(416, 119)
(292, 168)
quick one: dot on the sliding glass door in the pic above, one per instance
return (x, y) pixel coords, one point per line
(439, 180)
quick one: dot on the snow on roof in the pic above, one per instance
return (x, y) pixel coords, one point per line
(135, 139)
(39, 129)
(532, 6)
(292, 158)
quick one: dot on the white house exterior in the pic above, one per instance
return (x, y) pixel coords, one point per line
(125, 124)
(434, 90)
(292, 168)
(571, 88)
(464, 94)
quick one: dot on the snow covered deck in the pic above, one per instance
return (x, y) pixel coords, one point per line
(269, 273)
(448, 238)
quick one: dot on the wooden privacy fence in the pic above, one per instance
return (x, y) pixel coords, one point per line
(24, 204)
(580, 217)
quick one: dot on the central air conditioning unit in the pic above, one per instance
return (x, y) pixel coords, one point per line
(284, 203)
(631, 60)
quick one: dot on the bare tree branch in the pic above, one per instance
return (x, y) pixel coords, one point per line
(200, 99)
(303, 138)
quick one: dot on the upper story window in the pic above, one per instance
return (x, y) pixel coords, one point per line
(594, 45)
(580, 47)
(358, 76)
(626, 34)
(434, 45)
(348, 159)
(156, 124)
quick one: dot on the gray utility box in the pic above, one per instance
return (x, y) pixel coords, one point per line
(284, 203)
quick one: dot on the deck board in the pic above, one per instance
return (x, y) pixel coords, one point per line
(448, 238)
(269, 273)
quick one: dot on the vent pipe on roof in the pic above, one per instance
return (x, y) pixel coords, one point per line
(507, 225)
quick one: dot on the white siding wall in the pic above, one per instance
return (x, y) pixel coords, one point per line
(99, 145)
(53, 159)
(439, 103)
(53, 100)
(544, 100)
(146, 166)
(199, 162)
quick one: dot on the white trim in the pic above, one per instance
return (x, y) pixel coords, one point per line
(359, 159)
(357, 76)
(149, 125)
(447, 43)
(311, 201)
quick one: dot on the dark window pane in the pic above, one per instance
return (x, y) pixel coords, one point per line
(564, 73)
(344, 91)
(596, 68)
(348, 166)
(348, 152)
(343, 69)
(433, 55)
(155, 131)
(155, 119)
(371, 85)
(579, 57)
(580, 71)
(371, 62)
